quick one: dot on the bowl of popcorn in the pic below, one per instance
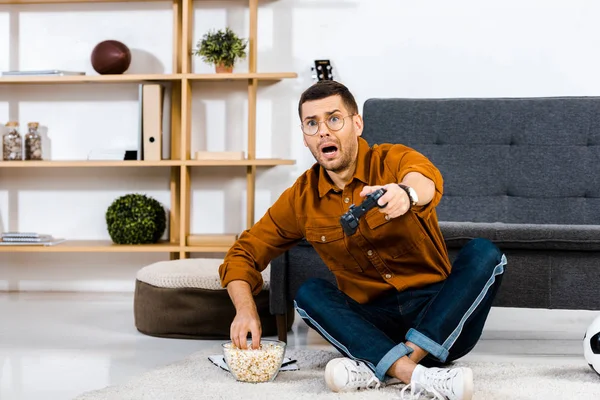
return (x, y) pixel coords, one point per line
(255, 365)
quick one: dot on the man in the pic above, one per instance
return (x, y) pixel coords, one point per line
(400, 309)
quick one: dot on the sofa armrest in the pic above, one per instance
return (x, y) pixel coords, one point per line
(290, 270)
(278, 284)
(524, 236)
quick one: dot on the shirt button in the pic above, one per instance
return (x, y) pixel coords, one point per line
(322, 238)
(370, 252)
(388, 276)
(346, 200)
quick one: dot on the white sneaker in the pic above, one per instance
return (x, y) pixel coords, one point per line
(439, 384)
(344, 375)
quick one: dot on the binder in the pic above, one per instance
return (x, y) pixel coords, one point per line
(152, 121)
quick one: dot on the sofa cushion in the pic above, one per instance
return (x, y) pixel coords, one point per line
(524, 236)
(515, 160)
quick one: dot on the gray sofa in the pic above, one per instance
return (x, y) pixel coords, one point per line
(522, 172)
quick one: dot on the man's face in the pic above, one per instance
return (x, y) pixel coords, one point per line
(335, 150)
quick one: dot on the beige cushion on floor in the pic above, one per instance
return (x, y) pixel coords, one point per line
(184, 299)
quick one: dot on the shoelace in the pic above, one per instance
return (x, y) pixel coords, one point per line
(357, 378)
(435, 382)
(440, 380)
(373, 383)
(423, 393)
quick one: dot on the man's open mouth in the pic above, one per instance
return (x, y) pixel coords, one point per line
(328, 150)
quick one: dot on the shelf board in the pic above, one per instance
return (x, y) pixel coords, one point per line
(124, 78)
(206, 249)
(83, 163)
(89, 78)
(106, 246)
(67, 1)
(261, 162)
(100, 246)
(262, 76)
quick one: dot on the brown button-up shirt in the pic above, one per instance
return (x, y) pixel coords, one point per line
(383, 255)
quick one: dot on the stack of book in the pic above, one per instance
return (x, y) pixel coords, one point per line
(28, 238)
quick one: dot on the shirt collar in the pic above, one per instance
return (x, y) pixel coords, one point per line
(364, 151)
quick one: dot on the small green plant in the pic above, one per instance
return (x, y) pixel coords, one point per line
(135, 219)
(221, 47)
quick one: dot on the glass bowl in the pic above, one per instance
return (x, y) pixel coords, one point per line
(255, 365)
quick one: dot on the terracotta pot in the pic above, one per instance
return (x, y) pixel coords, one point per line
(221, 69)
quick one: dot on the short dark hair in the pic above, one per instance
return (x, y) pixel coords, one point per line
(327, 88)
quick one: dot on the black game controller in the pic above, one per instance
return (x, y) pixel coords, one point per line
(349, 220)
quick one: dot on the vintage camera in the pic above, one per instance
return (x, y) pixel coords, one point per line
(349, 221)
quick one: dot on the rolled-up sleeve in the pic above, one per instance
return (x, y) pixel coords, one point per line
(274, 233)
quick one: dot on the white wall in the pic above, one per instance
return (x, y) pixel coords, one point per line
(379, 48)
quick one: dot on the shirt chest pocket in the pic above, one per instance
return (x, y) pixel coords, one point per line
(330, 244)
(397, 236)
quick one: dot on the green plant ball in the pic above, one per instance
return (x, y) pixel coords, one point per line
(135, 219)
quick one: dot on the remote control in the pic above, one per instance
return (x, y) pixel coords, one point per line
(349, 220)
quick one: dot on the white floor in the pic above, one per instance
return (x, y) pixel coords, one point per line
(57, 345)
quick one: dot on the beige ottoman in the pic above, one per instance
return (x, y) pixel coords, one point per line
(184, 299)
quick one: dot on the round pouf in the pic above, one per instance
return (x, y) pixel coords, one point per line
(184, 299)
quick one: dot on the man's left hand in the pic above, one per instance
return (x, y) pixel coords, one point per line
(396, 198)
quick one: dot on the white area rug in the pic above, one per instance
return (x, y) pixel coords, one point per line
(197, 378)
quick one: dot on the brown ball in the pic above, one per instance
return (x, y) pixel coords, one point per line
(111, 57)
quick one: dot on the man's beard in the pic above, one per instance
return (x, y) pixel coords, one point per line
(340, 164)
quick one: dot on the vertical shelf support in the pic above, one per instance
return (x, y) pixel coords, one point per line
(176, 216)
(186, 35)
(187, 10)
(251, 170)
(177, 35)
(252, 94)
(253, 35)
(184, 227)
(185, 175)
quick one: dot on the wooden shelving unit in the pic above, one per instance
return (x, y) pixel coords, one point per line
(181, 163)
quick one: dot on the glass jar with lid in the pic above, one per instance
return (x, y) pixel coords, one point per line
(12, 142)
(33, 142)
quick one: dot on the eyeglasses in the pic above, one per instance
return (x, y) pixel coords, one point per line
(335, 122)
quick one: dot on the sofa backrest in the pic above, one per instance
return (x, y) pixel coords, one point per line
(512, 160)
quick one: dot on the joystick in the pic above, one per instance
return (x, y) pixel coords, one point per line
(349, 220)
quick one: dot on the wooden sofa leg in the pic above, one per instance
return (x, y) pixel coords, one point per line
(282, 326)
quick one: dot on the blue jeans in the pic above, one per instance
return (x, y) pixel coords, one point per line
(445, 319)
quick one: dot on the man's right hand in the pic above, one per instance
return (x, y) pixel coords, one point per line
(246, 321)
(246, 318)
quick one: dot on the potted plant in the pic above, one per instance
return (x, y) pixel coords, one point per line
(221, 48)
(136, 219)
